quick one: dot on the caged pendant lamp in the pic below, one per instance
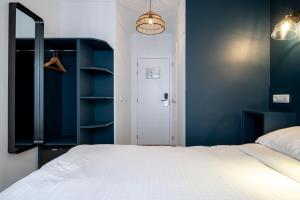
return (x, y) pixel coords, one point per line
(150, 23)
(287, 29)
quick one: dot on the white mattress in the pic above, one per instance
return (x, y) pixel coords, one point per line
(112, 172)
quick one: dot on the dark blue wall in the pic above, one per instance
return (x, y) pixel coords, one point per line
(227, 57)
(285, 60)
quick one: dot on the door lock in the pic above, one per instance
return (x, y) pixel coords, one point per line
(166, 99)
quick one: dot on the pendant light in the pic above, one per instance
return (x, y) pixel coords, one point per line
(150, 23)
(287, 29)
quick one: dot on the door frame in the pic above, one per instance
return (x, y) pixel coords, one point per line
(134, 96)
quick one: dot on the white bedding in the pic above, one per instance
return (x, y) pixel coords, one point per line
(112, 172)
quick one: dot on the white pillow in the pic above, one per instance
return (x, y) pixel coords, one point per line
(286, 141)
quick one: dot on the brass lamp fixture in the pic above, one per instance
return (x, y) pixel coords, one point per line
(287, 29)
(150, 23)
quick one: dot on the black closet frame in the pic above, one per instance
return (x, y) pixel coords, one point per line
(38, 78)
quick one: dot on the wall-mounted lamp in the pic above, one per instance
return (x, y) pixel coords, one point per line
(287, 29)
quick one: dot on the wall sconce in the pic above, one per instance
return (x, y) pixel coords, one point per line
(287, 29)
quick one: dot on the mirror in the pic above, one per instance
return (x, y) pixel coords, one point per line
(24, 99)
(25, 61)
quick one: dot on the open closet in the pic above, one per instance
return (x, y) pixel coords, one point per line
(61, 92)
(78, 102)
(78, 99)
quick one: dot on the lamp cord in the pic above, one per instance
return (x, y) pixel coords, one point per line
(150, 5)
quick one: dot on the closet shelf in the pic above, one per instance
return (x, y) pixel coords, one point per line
(90, 125)
(97, 70)
(62, 141)
(96, 98)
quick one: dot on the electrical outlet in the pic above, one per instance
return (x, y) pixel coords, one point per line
(281, 98)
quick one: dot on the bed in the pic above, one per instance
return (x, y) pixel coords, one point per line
(120, 172)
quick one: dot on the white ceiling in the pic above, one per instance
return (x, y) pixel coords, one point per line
(168, 9)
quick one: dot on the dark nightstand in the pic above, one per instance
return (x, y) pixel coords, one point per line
(258, 123)
(48, 153)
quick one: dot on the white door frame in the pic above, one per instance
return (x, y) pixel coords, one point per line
(173, 98)
(134, 96)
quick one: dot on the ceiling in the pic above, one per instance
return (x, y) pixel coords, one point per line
(168, 9)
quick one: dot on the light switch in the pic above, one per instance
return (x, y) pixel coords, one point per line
(281, 98)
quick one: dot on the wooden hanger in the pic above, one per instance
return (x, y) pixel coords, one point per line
(55, 60)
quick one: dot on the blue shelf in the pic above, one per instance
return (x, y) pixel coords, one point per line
(96, 98)
(62, 141)
(97, 70)
(96, 92)
(91, 125)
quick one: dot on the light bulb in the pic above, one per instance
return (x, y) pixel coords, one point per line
(284, 29)
(150, 21)
(285, 26)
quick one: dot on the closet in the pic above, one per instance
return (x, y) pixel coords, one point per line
(78, 103)
(61, 90)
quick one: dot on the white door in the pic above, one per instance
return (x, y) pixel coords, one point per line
(153, 105)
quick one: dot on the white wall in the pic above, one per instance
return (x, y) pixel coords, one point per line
(89, 18)
(63, 18)
(143, 46)
(14, 167)
(179, 51)
(123, 75)
(25, 25)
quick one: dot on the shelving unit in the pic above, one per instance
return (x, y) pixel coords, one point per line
(96, 93)
(91, 125)
(78, 104)
(96, 98)
(97, 70)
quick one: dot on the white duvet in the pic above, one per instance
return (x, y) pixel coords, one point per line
(112, 172)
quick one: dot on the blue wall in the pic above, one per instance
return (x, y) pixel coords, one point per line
(285, 60)
(227, 57)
